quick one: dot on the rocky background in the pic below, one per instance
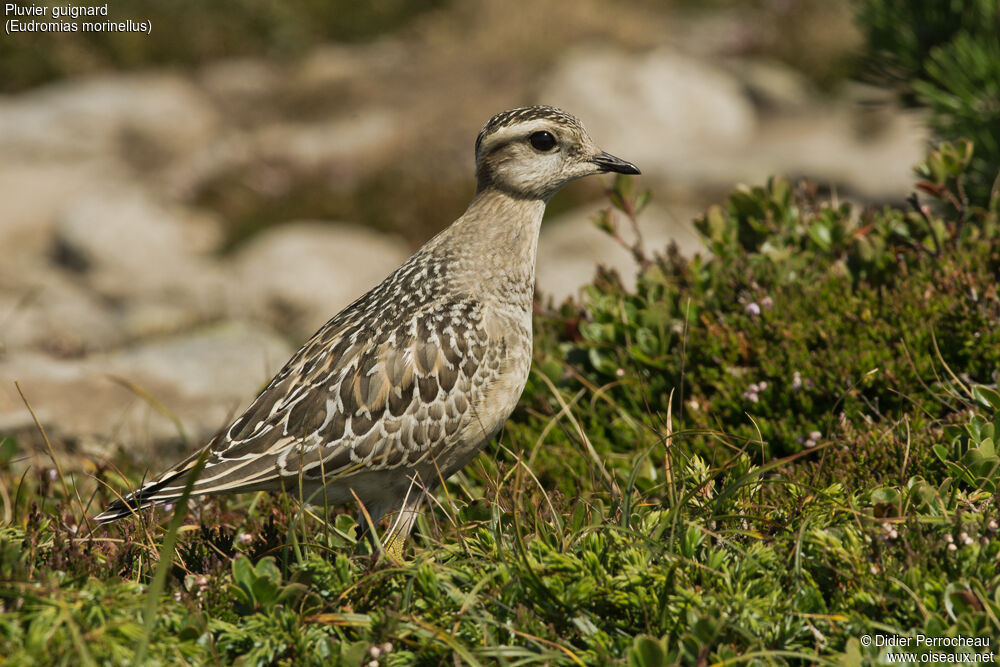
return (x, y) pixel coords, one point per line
(172, 232)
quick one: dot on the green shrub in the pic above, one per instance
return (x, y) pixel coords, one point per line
(759, 455)
(900, 35)
(944, 55)
(813, 320)
(971, 456)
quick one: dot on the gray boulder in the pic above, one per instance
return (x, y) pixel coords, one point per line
(143, 396)
(299, 275)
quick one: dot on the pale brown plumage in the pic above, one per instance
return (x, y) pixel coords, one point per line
(404, 386)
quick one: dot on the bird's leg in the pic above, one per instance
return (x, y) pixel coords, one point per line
(399, 530)
(393, 541)
(402, 521)
(394, 549)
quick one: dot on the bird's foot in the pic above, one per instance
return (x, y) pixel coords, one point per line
(394, 547)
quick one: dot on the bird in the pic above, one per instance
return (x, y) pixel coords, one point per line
(408, 383)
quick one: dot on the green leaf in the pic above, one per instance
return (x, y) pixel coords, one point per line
(646, 651)
(604, 221)
(887, 495)
(243, 573)
(959, 600)
(8, 450)
(986, 396)
(820, 234)
(642, 201)
(265, 591)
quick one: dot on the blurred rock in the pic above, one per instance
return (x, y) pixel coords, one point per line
(127, 245)
(299, 275)
(134, 395)
(229, 361)
(242, 85)
(659, 110)
(125, 113)
(689, 124)
(182, 179)
(48, 310)
(171, 313)
(334, 66)
(353, 141)
(571, 247)
(773, 85)
(33, 193)
(268, 156)
(869, 157)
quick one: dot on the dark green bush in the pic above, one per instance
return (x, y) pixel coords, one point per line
(811, 319)
(900, 34)
(945, 55)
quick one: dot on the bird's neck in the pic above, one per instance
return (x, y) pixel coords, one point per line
(497, 240)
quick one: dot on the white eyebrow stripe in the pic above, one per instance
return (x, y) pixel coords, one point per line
(523, 129)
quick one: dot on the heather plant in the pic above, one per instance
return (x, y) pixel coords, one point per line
(758, 454)
(810, 318)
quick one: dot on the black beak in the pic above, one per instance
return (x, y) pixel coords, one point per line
(608, 162)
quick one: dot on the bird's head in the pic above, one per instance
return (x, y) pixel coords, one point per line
(531, 152)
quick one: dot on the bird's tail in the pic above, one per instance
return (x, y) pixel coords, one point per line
(146, 496)
(166, 488)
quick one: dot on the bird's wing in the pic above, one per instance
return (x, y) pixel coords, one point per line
(351, 399)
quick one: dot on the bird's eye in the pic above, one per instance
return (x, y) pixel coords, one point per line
(543, 141)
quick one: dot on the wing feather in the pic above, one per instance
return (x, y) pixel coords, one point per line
(349, 400)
